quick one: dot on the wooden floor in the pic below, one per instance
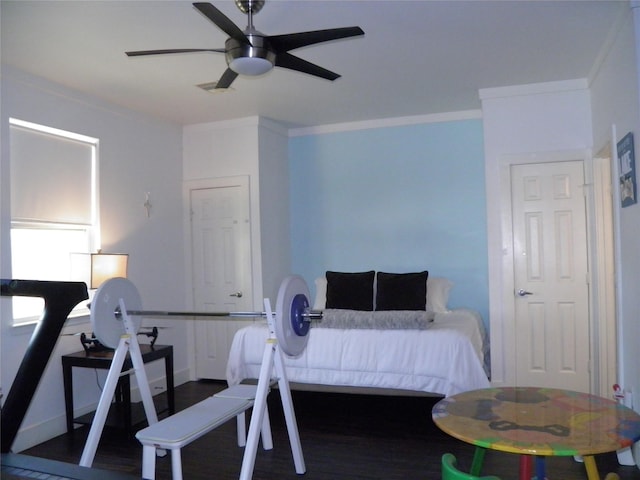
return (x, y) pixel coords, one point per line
(343, 436)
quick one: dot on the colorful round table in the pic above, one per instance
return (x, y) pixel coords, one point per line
(538, 422)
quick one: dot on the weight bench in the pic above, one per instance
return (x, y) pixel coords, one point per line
(176, 431)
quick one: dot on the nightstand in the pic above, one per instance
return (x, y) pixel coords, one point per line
(122, 413)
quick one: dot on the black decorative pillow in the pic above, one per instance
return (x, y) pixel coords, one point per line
(402, 291)
(350, 291)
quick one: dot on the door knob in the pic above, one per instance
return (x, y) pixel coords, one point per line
(524, 293)
(237, 294)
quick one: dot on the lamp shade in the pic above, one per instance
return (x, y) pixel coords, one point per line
(107, 265)
(96, 268)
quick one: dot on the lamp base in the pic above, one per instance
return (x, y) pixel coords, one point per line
(92, 344)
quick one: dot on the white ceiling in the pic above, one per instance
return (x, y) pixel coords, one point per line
(417, 57)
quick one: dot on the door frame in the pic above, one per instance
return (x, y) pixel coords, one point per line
(604, 261)
(501, 282)
(188, 186)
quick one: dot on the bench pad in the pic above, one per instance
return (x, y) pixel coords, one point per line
(186, 426)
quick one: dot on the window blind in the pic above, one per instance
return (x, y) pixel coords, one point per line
(51, 177)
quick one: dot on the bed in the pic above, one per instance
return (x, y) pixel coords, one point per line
(431, 349)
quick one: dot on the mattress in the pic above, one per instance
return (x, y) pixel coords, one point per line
(445, 359)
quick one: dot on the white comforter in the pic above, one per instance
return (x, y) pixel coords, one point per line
(446, 359)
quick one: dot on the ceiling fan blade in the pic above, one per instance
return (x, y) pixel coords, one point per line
(286, 60)
(222, 21)
(175, 50)
(290, 41)
(226, 79)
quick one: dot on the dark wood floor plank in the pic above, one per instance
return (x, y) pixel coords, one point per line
(343, 436)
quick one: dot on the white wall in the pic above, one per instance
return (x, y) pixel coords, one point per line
(529, 119)
(615, 101)
(564, 120)
(274, 206)
(138, 154)
(226, 149)
(256, 147)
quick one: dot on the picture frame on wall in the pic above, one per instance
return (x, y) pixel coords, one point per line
(627, 169)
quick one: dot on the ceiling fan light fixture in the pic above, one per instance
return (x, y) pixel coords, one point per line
(249, 52)
(250, 66)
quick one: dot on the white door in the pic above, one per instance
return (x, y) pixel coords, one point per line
(550, 275)
(221, 250)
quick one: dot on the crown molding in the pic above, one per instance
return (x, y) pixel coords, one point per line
(534, 89)
(386, 123)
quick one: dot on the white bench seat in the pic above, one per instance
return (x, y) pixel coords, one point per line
(182, 428)
(248, 392)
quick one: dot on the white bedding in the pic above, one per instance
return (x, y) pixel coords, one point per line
(446, 359)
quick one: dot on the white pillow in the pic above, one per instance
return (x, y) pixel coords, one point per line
(438, 289)
(321, 294)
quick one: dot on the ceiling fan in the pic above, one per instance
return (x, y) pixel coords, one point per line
(250, 52)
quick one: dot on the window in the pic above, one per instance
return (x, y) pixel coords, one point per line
(53, 205)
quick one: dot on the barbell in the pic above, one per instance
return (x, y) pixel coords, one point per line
(292, 316)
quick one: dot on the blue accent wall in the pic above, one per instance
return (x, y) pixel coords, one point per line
(396, 199)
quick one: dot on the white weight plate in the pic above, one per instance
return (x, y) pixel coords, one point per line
(107, 326)
(291, 342)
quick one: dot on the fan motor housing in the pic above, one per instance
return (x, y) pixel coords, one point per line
(239, 55)
(253, 6)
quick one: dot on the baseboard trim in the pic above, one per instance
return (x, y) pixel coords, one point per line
(35, 434)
